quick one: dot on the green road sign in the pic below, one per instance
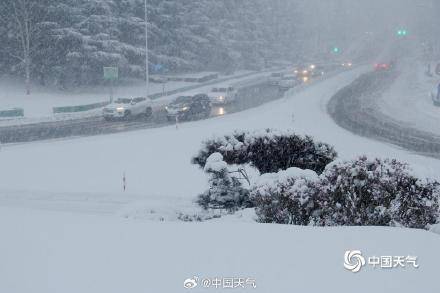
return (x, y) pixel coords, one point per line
(111, 73)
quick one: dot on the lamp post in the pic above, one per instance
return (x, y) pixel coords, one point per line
(147, 73)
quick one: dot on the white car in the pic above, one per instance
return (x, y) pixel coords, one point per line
(288, 82)
(128, 108)
(275, 78)
(222, 95)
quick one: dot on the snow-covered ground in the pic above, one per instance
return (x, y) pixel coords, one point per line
(45, 250)
(50, 252)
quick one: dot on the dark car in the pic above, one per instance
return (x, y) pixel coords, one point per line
(189, 108)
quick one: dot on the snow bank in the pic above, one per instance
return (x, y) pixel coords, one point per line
(51, 252)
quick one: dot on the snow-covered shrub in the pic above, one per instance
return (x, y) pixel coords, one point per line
(375, 192)
(269, 151)
(359, 192)
(284, 197)
(226, 191)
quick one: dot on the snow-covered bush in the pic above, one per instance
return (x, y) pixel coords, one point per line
(226, 191)
(359, 192)
(284, 197)
(375, 192)
(269, 151)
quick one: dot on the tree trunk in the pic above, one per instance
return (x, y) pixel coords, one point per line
(28, 75)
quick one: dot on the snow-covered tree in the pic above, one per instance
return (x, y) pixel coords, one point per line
(269, 151)
(69, 41)
(23, 20)
(226, 190)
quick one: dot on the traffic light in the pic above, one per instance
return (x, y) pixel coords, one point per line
(336, 50)
(402, 32)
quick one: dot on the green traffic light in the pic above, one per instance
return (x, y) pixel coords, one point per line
(336, 50)
(402, 32)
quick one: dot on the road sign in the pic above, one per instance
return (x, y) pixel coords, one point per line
(157, 67)
(111, 73)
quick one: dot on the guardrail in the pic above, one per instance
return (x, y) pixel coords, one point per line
(12, 113)
(79, 108)
(211, 82)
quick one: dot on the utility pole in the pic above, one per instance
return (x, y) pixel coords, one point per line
(147, 73)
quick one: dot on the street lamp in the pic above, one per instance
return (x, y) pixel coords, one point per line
(147, 73)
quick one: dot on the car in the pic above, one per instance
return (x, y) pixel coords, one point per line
(288, 82)
(158, 79)
(223, 95)
(275, 78)
(382, 66)
(347, 64)
(126, 108)
(189, 108)
(301, 72)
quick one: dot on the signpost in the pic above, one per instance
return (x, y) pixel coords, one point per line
(111, 74)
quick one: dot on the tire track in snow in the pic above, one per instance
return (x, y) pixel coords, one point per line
(355, 108)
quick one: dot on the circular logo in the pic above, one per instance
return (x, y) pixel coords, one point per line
(353, 260)
(190, 283)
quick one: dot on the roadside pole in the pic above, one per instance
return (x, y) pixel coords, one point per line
(124, 182)
(147, 72)
(111, 91)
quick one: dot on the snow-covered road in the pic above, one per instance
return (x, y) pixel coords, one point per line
(408, 100)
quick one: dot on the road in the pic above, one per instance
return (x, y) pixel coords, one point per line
(355, 108)
(249, 96)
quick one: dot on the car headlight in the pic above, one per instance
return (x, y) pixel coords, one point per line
(221, 98)
(185, 109)
(120, 109)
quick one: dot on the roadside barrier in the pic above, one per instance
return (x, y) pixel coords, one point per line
(12, 113)
(79, 108)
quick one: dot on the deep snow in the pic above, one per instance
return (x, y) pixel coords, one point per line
(49, 252)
